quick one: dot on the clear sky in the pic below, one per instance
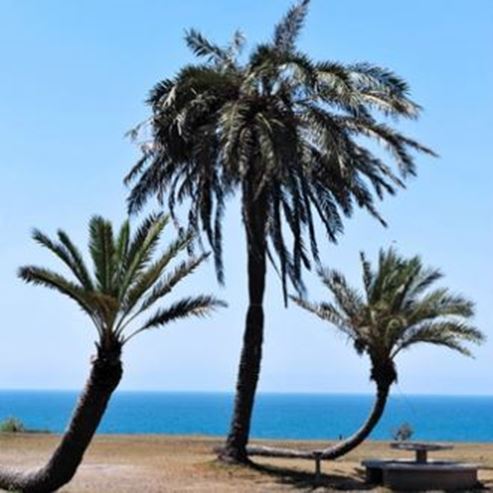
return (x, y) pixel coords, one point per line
(74, 76)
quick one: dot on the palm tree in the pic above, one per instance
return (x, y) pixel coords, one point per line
(130, 277)
(396, 311)
(285, 132)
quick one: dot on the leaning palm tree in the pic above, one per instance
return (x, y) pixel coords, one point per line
(288, 134)
(130, 277)
(397, 310)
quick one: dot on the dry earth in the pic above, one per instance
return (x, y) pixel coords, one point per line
(152, 464)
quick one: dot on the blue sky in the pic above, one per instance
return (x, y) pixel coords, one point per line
(74, 79)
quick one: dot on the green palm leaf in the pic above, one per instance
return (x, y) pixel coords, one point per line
(165, 286)
(398, 310)
(141, 249)
(39, 276)
(199, 306)
(102, 250)
(80, 268)
(287, 31)
(66, 253)
(150, 277)
(127, 279)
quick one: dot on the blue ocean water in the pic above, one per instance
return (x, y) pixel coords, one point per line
(297, 416)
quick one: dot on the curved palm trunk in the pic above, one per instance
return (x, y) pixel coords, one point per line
(104, 378)
(251, 354)
(340, 449)
(362, 434)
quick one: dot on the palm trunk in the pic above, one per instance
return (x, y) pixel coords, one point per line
(362, 434)
(251, 355)
(104, 378)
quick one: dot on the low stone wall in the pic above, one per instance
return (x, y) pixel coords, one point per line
(407, 475)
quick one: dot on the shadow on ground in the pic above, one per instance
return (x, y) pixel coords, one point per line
(338, 482)
(306, 480)
(273, 476)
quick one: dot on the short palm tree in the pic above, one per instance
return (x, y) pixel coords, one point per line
(131, 275)
(397, 310)
(286, 133)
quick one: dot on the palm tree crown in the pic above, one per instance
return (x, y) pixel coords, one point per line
(284, 129)
(396, 311)
(130, 277)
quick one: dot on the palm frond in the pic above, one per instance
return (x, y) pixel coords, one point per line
(122, 242)
(436, 304)
(67, 253)
(141, 249)
(289, 28)
(368, 275)
(329, 313)
(202, 47)
(82, 272)
(199, 306)
(102, 249)
(149, 278)
(39, 276)
(165, 286)
(347, 298)
(450, 334)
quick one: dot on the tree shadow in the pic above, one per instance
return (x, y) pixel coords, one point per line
(308, 480)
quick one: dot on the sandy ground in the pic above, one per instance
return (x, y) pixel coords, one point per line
(152, 464)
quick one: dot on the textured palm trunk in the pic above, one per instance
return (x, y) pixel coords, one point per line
(104, 378)
(251, 354)
(362, 434)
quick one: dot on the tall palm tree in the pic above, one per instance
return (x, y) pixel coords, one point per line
(397, 310)
(130, 277)
(286, 133)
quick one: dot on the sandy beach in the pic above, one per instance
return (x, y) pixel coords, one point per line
(152, 464)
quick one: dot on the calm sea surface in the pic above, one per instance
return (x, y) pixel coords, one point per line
(276, 415)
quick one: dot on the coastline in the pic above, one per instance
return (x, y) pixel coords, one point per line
(277, 416)
(156, 463)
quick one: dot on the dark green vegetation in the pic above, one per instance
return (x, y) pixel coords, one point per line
(403, 433)
(12, 425)
(289, 135)
(131, 275)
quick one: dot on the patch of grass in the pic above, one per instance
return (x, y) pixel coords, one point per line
(12, 424)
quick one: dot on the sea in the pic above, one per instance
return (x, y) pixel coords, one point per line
(290, 416)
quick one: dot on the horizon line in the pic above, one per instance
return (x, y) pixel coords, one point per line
(264, 392)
